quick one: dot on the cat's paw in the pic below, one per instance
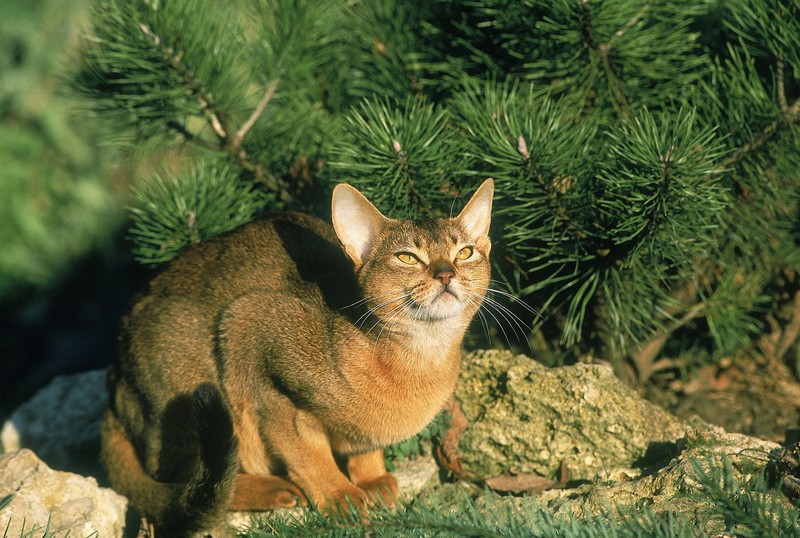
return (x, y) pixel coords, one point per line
(258, 493)
(382, 491)
(343, 501)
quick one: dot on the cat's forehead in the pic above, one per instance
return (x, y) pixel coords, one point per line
(424, 233)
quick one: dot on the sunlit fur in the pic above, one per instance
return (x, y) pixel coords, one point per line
(315, 345)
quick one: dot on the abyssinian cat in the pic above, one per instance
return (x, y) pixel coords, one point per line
(270, 365)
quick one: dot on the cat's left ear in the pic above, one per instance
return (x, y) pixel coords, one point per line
(477, 214)
(358, 223)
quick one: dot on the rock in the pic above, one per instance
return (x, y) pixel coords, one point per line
(73, 505)
(61, 423)
(677, 487)
(415, 475)
(527, 418)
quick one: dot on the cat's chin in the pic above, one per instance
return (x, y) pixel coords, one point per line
(443, 307)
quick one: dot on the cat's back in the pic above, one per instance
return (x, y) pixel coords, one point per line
(285, 252)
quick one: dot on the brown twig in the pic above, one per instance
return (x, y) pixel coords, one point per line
(791, 331)
(644, 359)
(257, 111)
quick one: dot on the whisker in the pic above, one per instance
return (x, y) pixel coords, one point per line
(515, 299)
(516, 324)
(497, 321)
(364, 300)
(390, 321)
(363, 318)
(482, 319)
(520, 322)
(513, 321)
(391, 312)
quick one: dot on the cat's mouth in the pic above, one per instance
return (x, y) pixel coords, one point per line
(444, 303)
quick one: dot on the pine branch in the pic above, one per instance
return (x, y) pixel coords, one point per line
(644, 359)
(792, 115)
(191, 137)
(603, 51)
(630, 24)
(230, 144)
(175, 60)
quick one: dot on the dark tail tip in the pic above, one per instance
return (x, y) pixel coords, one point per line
(213, 486)
(215, 428)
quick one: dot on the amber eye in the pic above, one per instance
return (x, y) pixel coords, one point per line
(408, 259)
(464, 253)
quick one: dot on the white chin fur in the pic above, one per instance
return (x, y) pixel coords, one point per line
(443, 306)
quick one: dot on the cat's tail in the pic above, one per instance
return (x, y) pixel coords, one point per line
(179, 509)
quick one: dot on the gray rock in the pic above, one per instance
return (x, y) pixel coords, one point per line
(674, 487)
(63, 503)
(61, 423)
(677, 487)
(527, 418)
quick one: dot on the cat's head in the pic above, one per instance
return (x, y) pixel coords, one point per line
(420, 270)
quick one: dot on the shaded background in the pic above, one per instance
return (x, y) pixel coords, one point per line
(66, 274)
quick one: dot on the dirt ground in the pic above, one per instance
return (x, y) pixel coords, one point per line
(756, 397)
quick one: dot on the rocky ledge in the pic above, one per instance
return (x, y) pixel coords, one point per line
(575, 439)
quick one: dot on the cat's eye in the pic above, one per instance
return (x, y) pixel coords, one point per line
(407, 258)
(464, 253)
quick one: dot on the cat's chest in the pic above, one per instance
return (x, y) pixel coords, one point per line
(394, 404)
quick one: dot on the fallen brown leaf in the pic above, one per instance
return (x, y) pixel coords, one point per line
(521, 483)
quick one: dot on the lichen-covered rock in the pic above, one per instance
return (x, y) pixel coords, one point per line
(61, 423)
(527, 418)
(65, 503)
(675, 488)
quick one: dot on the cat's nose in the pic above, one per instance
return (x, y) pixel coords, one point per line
(443, 271)
(445, 276)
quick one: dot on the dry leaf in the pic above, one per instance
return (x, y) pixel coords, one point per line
(522, 483)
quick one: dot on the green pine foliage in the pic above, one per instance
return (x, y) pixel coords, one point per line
(404, 158)
(646, 153)
(173, 211)
(747, 508)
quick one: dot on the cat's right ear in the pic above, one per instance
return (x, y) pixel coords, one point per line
(357, 222)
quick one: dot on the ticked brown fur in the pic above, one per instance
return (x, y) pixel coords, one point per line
(273, 363)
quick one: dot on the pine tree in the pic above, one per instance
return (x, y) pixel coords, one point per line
(646, 152)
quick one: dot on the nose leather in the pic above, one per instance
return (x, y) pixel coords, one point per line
(443, 271)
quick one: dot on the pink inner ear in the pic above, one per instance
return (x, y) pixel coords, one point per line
(356, 221)
(477, 214)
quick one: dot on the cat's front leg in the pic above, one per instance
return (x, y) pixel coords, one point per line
(368, 471)
(305, 449)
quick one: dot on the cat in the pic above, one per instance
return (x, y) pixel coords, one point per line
(269, 366)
